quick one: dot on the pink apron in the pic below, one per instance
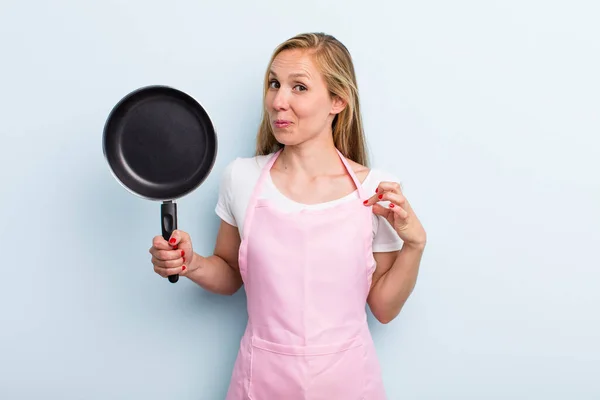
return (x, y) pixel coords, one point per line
(307, 276)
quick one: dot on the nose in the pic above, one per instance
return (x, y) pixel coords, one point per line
(280, 101)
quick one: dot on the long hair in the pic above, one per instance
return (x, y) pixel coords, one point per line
(335, 63)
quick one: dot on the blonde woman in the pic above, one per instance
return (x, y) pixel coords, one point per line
(311, 232)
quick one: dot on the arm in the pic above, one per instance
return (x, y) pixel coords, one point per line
(396, 273)
(393, 281)
(219, 273)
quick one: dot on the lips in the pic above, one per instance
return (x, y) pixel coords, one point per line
(280, 123)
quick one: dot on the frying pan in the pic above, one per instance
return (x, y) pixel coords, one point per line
(160, 145)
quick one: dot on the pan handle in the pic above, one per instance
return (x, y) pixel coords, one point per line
(168, 217)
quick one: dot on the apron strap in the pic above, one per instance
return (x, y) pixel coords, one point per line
(267, 170)
(359, 187)
(256, 191)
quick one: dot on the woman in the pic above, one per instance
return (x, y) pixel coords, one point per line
(311, 232)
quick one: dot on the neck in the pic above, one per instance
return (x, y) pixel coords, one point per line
(311, 159)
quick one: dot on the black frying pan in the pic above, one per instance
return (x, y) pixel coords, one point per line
(160, 144)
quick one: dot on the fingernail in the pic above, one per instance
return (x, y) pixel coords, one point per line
(380, 196)
(377, 190)
(172, 240)
(391, 205)
(183, 268)
(365, 202)
(183, 259)
(182, 253)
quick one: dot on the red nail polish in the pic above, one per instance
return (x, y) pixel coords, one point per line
(172, 240)
(377, 190)
(391, 205)
(182, 253)
(183, 268)
(380, 196)
(365, 202)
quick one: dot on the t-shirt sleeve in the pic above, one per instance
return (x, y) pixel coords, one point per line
(386, 238)
(224, 208)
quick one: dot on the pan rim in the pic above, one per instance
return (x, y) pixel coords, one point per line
(212, 133)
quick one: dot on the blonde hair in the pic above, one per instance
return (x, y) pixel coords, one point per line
(335, 63)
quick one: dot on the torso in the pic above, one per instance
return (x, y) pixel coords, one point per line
(241, 175)
(307, 276)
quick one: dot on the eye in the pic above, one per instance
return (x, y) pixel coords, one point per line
(301, 88)
(273, 84)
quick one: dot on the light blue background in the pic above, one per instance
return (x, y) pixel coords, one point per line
(487, 111)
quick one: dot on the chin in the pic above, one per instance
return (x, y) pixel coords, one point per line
(286, 137)
(287, 140)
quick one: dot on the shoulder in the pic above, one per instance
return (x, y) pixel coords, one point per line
(241, 169)
(360, 170)
(236, 184)
(377, 175)
(372, 177)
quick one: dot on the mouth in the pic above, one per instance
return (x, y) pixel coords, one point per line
(280, 123)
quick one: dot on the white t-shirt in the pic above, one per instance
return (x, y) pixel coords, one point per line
(241, 175)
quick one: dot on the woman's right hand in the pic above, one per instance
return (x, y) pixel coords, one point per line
(174, 257)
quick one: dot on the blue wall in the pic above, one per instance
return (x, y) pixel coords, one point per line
(488, 111)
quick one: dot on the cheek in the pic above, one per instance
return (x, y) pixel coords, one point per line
(309, 110)
(268, 103)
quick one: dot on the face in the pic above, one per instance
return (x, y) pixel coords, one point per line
(298, 101)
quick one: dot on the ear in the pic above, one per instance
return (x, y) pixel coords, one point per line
(338, 105)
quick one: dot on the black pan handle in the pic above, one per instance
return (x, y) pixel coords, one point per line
(168, 217)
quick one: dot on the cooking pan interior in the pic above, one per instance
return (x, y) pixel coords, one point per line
(160, 143)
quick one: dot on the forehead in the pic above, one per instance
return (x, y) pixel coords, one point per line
(295, 61)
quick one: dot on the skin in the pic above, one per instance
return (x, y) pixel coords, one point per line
(308, 171)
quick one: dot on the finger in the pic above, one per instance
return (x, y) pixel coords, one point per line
(179, 238)
(386, 196)
(386, 186)
(380, 191)
(165, 272)
(398, 210)
(165, 255)
(158, 242)
(183, 242)
(392, 197)
(175, 238)
(380, 210)
(374, 199)
(178, 262)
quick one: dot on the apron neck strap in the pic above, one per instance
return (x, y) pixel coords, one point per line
(267, 170)
(359, 187)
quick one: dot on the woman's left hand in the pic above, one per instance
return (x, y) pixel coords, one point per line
(399, 214)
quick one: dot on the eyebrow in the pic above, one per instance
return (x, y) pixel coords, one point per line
(296, 75)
